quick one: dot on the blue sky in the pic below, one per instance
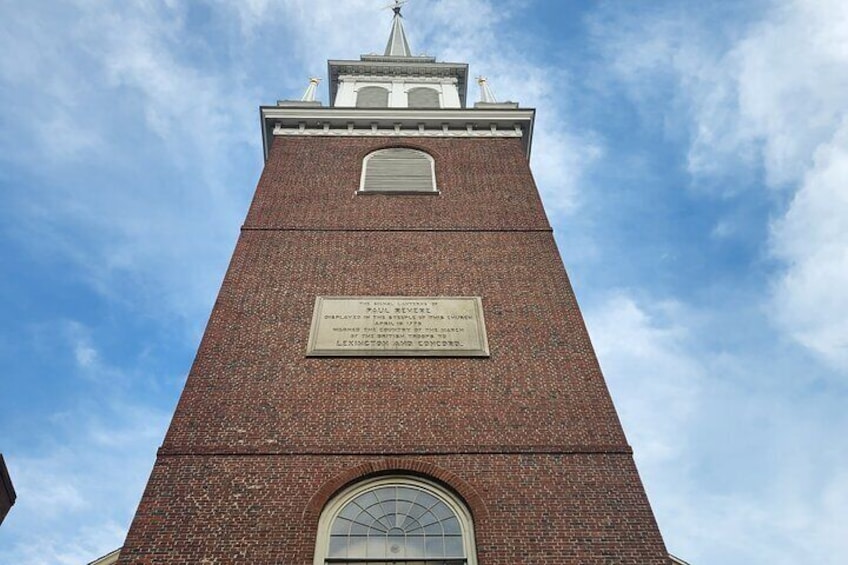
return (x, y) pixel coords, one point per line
(692, 157)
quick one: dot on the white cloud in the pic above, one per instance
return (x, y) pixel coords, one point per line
(79, 441)
(474, 32)
(313, 30)
(749, 467)
(742, 464)
(78, 487)
(811, 296)
(788, 73)
(655, 380)
(770, 102)
(792, 73)
(86, 355)
(40, 89)
(124, 135)
(79, 472)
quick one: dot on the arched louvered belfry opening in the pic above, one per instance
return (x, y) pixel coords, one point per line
(395, 520)
(398, 169)
(372, 97)
(423, 97)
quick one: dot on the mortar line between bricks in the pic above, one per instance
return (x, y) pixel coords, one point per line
(623, 450)
(426, 230)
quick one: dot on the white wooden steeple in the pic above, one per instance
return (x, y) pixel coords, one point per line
(397, 94)
(398, 45)
(397, 78)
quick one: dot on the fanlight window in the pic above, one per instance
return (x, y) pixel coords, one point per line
(423, 98)
(398, 170)
(396, 521)
(372, 97)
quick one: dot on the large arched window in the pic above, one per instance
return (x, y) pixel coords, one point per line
(372, 97)
(398, 169)
(395, 520)
(423, 97)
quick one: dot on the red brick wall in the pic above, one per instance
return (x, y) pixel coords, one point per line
(310, 183)
(263, 436)
(539, 509)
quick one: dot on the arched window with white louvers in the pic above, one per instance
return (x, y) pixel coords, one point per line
(398, 169)
(423, 97)
(372, 97)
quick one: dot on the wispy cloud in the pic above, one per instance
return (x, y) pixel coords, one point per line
(751, 473)
(76, 492)
(474, 32)
(78, 478)
(765, 101)
(133, 128)
(742, 462)
(655, 378)
(811, 294)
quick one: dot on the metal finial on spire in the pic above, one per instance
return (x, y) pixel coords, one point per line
(397, 5)
(398, 45)
(486, 94)
(309, 95)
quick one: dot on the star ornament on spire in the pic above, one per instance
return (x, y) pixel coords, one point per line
(398, 45)
(397, 5)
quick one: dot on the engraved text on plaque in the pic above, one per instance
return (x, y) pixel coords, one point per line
(365, 326)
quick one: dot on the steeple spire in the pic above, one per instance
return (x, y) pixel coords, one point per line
(309, 95)
(486, 95)
(398, 46)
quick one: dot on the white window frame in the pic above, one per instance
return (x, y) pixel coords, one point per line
(338, 502)
(362, 190)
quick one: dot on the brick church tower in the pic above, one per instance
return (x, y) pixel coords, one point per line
(396, 370)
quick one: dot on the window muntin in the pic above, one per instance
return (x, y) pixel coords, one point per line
(372, 97)
(395, 520)
(398, 169)
(423, 97)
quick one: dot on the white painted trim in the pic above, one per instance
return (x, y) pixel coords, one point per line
(109, 559)
(384, 78)
(414, 114)
(398, 87)
(407, 86)
(397, 97)
(387, 132)
(413, 122)
(335, 505)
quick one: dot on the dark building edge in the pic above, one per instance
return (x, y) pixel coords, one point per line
(7, 492)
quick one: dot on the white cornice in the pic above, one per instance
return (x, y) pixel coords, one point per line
(398, 122)
(409, 78)
(395, 132)
(411, 115)
(399, 64)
